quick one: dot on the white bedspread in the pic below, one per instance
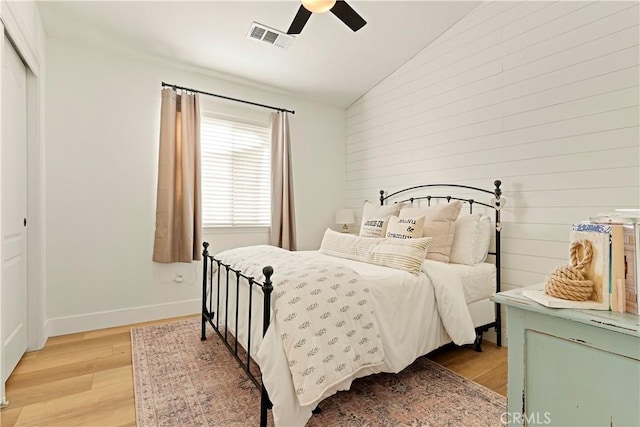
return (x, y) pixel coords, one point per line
(411, 323)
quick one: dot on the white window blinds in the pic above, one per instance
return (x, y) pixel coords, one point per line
(236, 173)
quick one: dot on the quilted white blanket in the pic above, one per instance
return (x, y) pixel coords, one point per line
(323, 313)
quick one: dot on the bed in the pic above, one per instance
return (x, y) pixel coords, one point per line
(313, 321)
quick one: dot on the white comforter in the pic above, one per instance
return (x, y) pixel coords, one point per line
(415, 315)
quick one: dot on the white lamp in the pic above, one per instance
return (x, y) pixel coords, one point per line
(344, 217)
(318, 6)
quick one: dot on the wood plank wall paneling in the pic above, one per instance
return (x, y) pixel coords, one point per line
(543, 95)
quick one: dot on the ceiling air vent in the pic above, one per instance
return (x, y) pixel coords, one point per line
(269, 35)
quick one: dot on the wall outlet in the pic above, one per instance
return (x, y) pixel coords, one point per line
(178, 278)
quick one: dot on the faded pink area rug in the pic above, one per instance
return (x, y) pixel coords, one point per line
(182, 381)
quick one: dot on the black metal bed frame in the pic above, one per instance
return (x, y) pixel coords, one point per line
(266, 286)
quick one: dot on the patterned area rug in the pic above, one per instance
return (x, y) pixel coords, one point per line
(182, 381)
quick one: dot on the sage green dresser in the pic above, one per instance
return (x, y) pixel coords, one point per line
(570, 367)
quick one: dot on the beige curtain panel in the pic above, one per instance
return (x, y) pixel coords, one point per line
(178, 209)
(283, 218)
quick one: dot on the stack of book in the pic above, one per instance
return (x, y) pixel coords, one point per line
(615, 239)
(626, 240)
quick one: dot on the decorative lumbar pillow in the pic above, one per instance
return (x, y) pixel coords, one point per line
(401, 254)
(471, 239)
(404, 228)
(374, 227)
(439, 224)
(369, 211)
(345, 245)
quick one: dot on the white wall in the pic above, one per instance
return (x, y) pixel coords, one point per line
(543, 95)
(103, 113)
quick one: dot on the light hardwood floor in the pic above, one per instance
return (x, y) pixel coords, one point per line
(86, 379)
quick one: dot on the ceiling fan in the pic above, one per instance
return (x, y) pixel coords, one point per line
(339, 8)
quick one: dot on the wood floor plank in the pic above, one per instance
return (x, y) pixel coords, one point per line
(113, 376)
(61, 339)
(44, 376)
(9, 416)
(92, 407)
(94, 372)
(72, 358)
(467, 362)
(82, 346)
(495, 379)
(22, 396)
(101, 333)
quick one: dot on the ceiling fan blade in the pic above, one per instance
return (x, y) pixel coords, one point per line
(299, 21)
(346, 14)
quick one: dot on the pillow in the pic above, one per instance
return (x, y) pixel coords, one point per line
(401, 254)
(481, 247)
(369, 210)
(374, 227)
(439, 224)
(471, 239)
(404, 228)
(343, 245)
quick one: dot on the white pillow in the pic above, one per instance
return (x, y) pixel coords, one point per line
(484, 239)
(401, 254)
(404, 228)
(369, 210)
(471, 239)
(374, 227)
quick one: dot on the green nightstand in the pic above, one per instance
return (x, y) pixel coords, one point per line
(570, 367)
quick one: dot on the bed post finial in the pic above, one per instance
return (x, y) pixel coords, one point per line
(497, 191)
(267, 288)
(381, 197)
(205, 251)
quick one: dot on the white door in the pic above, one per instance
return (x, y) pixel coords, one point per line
(13, 202)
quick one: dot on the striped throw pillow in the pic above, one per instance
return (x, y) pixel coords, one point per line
(401, 254)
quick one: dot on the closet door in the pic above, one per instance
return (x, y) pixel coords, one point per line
(13, 205)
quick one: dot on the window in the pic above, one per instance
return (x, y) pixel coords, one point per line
(236, 173)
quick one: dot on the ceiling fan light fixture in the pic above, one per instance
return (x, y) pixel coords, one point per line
(318, 6)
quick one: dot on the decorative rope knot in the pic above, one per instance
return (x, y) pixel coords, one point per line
(568, 281)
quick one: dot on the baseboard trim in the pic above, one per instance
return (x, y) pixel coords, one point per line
(109, 319)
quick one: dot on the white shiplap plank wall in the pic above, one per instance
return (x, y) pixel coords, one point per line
(543, 95)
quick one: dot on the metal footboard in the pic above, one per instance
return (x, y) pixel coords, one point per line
(210, 314)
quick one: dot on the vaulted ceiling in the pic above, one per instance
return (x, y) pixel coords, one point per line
(327, 62)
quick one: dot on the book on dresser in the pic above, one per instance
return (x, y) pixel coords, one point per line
(599, 271)
(631, 236)
(631, 260)
(618, 299)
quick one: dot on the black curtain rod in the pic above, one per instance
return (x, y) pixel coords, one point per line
(226, 97)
